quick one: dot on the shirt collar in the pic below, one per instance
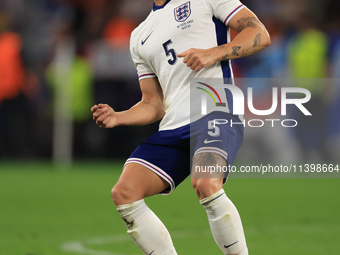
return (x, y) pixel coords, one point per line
(156, 7)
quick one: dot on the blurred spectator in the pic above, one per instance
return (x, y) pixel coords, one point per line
(79, 80)
(117, 33)
(80, 83)
(11, 66)
(308, 51)
(17, 85)
(308, 58)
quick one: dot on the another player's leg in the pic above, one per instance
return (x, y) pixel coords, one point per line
(145, 228)
(224, 219)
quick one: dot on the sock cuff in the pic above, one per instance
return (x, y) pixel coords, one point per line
(213, 197)
(130, 207)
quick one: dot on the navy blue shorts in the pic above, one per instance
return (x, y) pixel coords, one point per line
(169, 153)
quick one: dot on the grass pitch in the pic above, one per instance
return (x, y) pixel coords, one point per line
(49, 211)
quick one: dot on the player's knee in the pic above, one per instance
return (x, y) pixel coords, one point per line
(201, 185)
(205, 187)
(121, 194)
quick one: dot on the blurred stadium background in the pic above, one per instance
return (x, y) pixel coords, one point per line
(59, 57)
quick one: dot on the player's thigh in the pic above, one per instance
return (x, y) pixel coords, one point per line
(137, 182)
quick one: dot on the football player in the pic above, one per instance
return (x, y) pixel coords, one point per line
(182, 40)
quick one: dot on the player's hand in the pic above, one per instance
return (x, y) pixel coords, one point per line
(197, 59)
(104, 116)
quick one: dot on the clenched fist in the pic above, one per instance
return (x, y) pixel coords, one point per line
(104, 116)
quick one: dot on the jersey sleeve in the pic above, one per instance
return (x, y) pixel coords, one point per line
(224, 10)
(143, 69)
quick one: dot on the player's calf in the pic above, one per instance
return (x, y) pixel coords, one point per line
(224, 220)
(144, 227)
(225, 224)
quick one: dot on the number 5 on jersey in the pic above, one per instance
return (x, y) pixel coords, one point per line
(215, 131)
(169, 51)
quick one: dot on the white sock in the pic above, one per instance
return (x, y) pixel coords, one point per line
(146, 229)
(225, 224)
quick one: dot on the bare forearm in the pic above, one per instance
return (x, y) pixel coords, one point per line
(143, 113)
(252, 38)
(146, 111)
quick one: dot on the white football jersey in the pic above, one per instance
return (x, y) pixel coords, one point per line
(171, 29)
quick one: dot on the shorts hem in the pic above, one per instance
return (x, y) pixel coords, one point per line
(161, 173)
(219, 151)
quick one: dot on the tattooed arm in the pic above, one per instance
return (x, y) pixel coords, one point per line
(252, 38)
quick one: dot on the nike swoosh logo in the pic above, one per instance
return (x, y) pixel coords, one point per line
(151, 252)
(227, 246)
(146, 38)
(211, 141)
